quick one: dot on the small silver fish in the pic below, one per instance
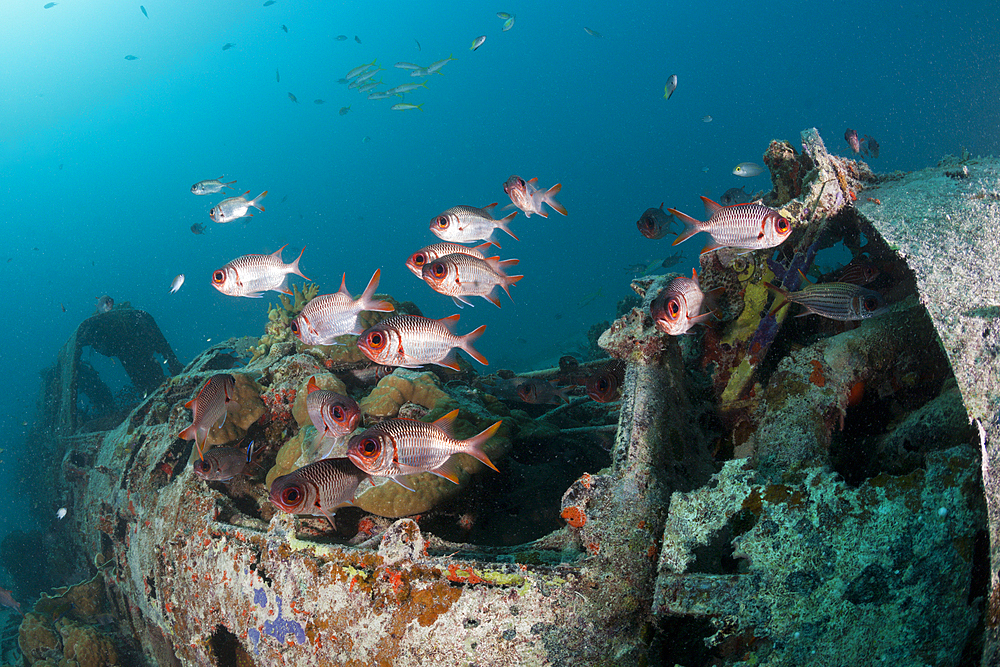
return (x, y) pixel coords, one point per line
(211, 186)
(318, 488)
(293, 98)
(706, 119)
(592, 33)
(227, 46)
(328, 316)
(671, 86)
(435, 66)
(508, 24)
(61, 513)
(411, 341)
(477, 42)
(359, 69)
(252, 275)
(746, 226)
(748, 169)
(232, 208)
(143, 10)
(405, 65)
(463, 224)
(405, 107)
(131, 57)
(461, 275)
(526, 196)
(836, 301)
(176, 284)
(678, 307)
(503, 15)
(105, 304)
(405, 88)
(209, 408)
(397, 447)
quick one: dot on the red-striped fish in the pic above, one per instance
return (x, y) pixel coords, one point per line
(605, 384)
(460, 275)
(397, 447)
(411, 341)
(221, 464)
(318, 488)
(678, 307)
(252, 275)
(331, 315)
(526, 196)
(334, 416)
(746, 226)
(464, 224)
(429, 253)
(860, 271)
(837, 301)
(209, 408)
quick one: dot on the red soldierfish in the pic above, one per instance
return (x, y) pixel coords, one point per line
(397, 447)
(230, 209)
(209, 407)
(678, 307)
(461, 275)
(326, 317)
(655, 223)
(541, 392)
(746, 226)
(605, 385)
(221, 464)
(429, 253)
(411, 341)
(334, 416)
(526, 196)
(252, 275)
(860, 271)
(464, 224)
(318, 488)
(852, 138)
(7, 600)
(837, 301)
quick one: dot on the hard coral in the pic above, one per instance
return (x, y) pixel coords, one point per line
(84, 646)
(401, 387)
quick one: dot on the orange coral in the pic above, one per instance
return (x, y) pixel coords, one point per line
(574, 516)
(816, 377)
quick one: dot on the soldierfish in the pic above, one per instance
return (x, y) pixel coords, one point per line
(6, 598)
(655, 223)
(464, 224)
(851, 137)
(221, 464)
(837, 301)
(411, 341)
(678, 307)
(211, 186)
(604, 385)
(746, 226)
(734, 196)
(541, 392)
(318, 488)
(252, 275)
(397, 447)
(526, 196)
(461, 275)
(334, 416)
(428, 254)
(331, 315)
(209, 408)
(230, 209)
(105, 304)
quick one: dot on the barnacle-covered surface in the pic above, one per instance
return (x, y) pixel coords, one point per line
(767, 487)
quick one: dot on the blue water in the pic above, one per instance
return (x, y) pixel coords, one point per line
(98, 153)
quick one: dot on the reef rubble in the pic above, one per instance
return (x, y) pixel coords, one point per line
(772, 494)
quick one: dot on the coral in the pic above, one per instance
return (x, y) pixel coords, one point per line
(37, 639)
(247, 394)
(84, 646)
(323, 381)
(301, 298)
(787, 169)
(403, 386)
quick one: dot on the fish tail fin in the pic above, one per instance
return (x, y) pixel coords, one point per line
(255, 202)
(294, 266)
(781, 299)
(550, 199)
(498, 266)
(466, 344)
(711, 207)
(502, 224)
(509, 280)
(474, 445)
(691, 226)
(366, 298)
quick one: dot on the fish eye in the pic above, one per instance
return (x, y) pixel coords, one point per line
(871, 303)
(603, 385)
(441, 221)
(369, 447)
(781, 225)
(376, 340)
(673, 309)
(438, 269)
(294, 325)
(201, 466)
(291, 495)
(520, 182)
(419, 259)
(219, 277)
(338, 413)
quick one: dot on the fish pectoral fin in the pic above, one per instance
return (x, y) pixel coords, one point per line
(396, 480)
(710, 246)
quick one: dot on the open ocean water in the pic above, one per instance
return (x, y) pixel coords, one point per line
(98, 153)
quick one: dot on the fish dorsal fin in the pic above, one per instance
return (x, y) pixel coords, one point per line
(343, 286)
(445, 422)
(311, 386)
(805, 278)
(531, 180)
(694, 274)
(661, 205)
(449, 322)
(276, 253)
(711, 207)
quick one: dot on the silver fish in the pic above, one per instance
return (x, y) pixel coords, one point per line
(746, 226)
(837, 301)
(252, 275)
(671, 86)
(334, 416)
(105, 304)
(464, 224)
(359, 69)
(477, 42)
(230, 209)
(176, 284)
(748, 169)
(435, 66)
(526, 196)
(211, 186)
(508, 24)
(427, 254)
(405, 88)
(461, 275)
(678, 307)
(326, 317)
(209, 408)
(397, 447)
(318, 488)
(404, 65)
(380, 96)
(411, 341)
